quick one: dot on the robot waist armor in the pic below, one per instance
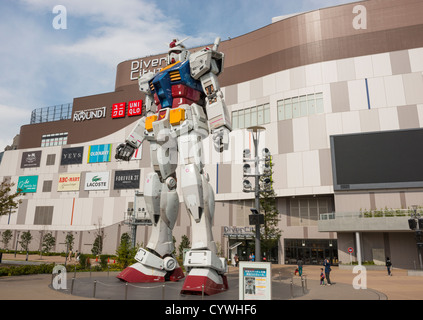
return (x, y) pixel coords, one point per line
(178, 120)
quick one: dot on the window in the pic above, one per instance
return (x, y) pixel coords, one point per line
(301, 106)
(43, 216)
(306, 211)
(251, 116)
(51, 159)
(47, 185)
(54, 139)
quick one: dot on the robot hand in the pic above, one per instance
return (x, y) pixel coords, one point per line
(124, 152)
(221, 139)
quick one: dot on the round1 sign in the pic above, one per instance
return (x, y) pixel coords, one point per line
(350, 250)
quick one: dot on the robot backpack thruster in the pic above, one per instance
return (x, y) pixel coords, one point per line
(184, 104)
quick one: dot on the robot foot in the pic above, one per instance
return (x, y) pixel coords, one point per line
(139, 273)
(200, 279)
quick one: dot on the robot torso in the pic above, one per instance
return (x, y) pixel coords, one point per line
(174, 86)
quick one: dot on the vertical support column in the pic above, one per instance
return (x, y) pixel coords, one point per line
(358, 243)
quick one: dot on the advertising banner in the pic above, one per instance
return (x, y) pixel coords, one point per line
(255, 281)
(31, 159)
(96, 181)
(69, 182)
(28, 183)
(127, 179)
(72, 156)
(99, 153)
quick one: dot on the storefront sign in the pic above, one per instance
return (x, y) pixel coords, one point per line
(31, 159)
(96, 181)
(127, 179)
(138, 68)
(255, 281)
(69, 182)
(28, 184)
(72, 156)
(99, 153)
(135, 108)
(96, 113)
(118, 110)
(231, 231)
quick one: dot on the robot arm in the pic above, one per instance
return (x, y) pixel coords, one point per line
(206, 65)
(125, 150)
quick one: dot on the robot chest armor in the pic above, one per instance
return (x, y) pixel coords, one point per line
(174, 86)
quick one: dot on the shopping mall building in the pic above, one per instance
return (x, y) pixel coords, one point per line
(340, 94)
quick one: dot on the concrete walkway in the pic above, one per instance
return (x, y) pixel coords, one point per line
(400, 286)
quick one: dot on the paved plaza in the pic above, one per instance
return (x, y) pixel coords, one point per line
(105, 286)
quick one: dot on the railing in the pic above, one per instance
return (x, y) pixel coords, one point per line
(53, 113)
(382, 213)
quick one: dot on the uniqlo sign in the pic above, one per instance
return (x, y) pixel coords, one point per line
(134, 108)
(118, 110)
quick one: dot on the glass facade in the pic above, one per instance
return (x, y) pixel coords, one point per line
(54, 113)
(311, 251)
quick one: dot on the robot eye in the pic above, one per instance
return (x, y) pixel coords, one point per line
(177, 51)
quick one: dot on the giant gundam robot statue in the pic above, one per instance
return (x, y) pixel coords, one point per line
(183, 104)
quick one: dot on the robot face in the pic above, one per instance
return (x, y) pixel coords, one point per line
(177, 52)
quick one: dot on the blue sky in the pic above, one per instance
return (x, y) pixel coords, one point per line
(41, 66)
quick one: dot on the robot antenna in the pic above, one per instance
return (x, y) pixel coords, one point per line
(181, 41)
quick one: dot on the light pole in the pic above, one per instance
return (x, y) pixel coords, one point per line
(255, 218)
(416, 223)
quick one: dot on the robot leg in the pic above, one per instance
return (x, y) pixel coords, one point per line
(156, 263)
(205, 269)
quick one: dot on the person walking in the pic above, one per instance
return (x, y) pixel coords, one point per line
(300, 266)
(326, 264)
(388, 264)
(236, 260)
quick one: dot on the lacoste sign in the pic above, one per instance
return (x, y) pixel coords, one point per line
(97, 181)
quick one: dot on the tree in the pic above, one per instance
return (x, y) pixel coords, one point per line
(69, 240)
(48, 242)
(97, 245)
(125, 252)
(6, 236)
(183, 245)
(97, 248)
(8, 201)
(26, 239)
(270, 234)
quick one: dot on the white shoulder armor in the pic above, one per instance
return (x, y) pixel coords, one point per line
(143, 82)
(204, 61)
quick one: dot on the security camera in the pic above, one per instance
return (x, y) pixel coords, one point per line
(266, 152)
(246, 153)
(254, 211)
(247, 184)
(247, 168)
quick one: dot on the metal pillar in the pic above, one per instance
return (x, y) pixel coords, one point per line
(358, 242)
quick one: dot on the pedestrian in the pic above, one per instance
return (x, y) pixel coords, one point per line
(253, 257)
(326, 264)
(300, 266)
(250, 257)
(388, 266)
(322, 277)
(236, 260)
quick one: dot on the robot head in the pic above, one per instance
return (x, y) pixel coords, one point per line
(177, 52)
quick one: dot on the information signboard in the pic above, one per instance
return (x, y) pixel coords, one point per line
(255, 281)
